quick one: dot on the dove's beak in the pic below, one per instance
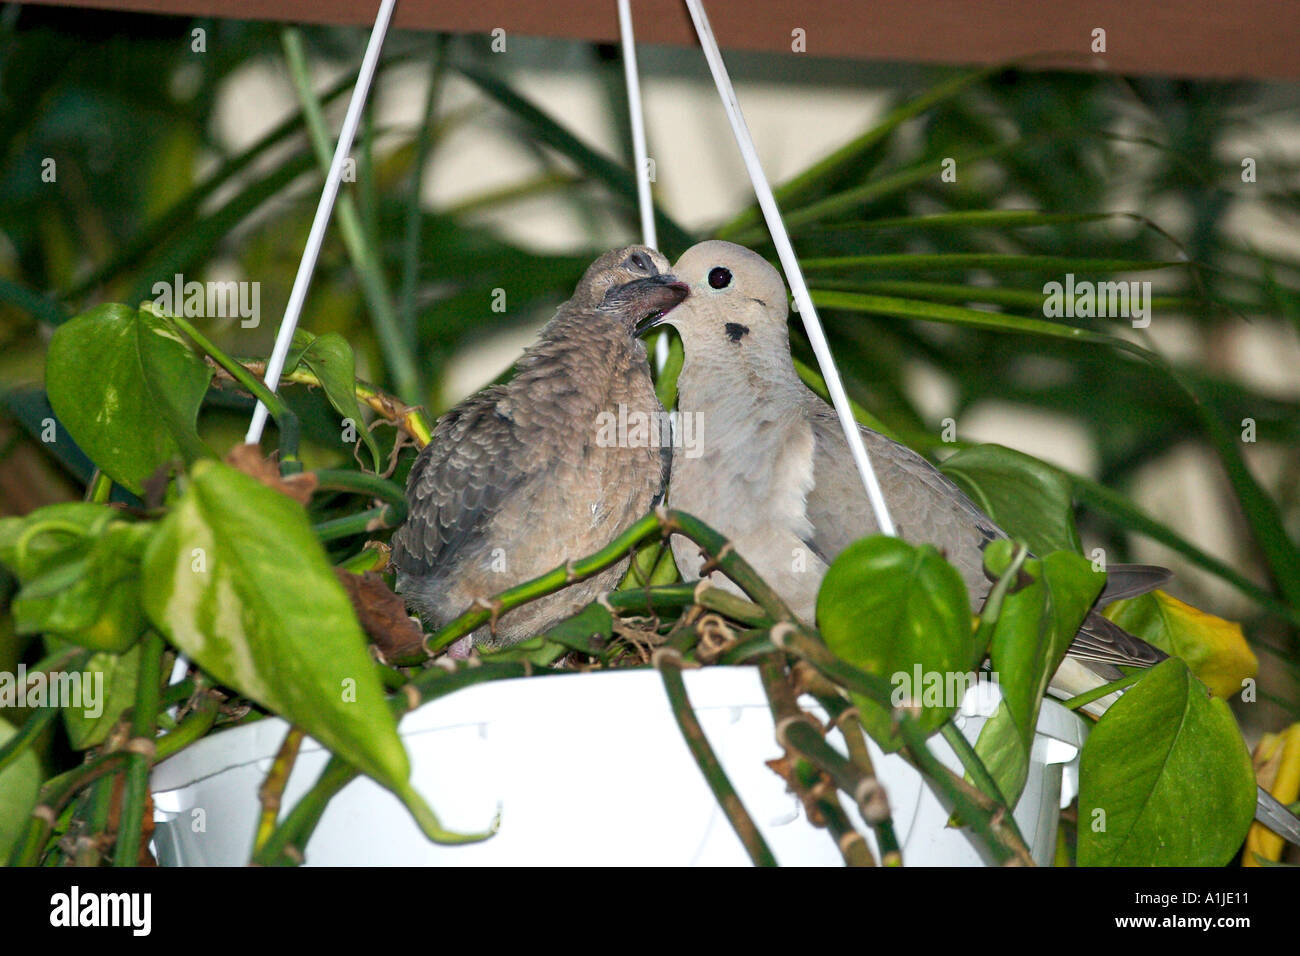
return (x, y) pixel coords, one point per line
(659, 295)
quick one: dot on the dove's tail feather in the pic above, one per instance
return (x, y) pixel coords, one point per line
(1273, 814)
(1130, 580)
(1094, 658)
(1101, 647)
(1101, 641)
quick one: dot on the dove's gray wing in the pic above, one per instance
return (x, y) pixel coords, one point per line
(925, 505)
(458, 483)
(928, 507)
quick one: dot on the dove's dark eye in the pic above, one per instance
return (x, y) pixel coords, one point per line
(640, 262)
(719, 277)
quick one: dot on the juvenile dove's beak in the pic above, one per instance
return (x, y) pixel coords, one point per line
(659, 294)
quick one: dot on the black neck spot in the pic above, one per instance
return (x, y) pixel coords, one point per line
(736, 331)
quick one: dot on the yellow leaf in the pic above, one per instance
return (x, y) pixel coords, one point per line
(1277, 770)
(1215, 649)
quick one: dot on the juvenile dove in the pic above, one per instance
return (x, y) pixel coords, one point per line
(518, 478)
(775, 474)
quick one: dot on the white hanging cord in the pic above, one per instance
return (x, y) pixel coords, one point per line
(639, 155)
(637, 119)
(323, 210)
(793, 274)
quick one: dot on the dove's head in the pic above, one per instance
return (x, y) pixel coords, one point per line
(631, 285)
(736, 314)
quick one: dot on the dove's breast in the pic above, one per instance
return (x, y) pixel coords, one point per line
(749, 481)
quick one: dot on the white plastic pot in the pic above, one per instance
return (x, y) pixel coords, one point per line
(585, 769)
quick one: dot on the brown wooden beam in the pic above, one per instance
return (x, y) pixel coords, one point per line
(1200, 38)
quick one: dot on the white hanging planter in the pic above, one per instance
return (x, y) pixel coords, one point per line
(585, 769)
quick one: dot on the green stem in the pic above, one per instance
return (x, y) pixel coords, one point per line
(101, 486)
(70, 659)
(851, 844)
(666, 522)
(367, 559)
(674, 597)
(55, 793)
(749, 646)
(801, 735)
(374, 286)
(385, 516)
(389, 515)
(1105, 690)
(34, 529)
(668, 662)
(414, 213)
(979, 772)
(194, 726)
(729, 605)
(652, 600)
(15, 746)
(990, 824)
(135, 790)
(285, 845)
(615, 551)
(390, 677)
(177, 693)
(724, 557)
(361, 482)
(272, 790)
(992, 609)
(845, 717)
(99, 805)
(786, 713)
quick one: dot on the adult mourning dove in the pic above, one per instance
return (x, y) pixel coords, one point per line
(775, 475)
(521, 477)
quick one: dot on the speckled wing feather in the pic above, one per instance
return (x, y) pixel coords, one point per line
(457, 484)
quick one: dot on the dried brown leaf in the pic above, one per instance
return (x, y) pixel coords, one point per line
(249, 460)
